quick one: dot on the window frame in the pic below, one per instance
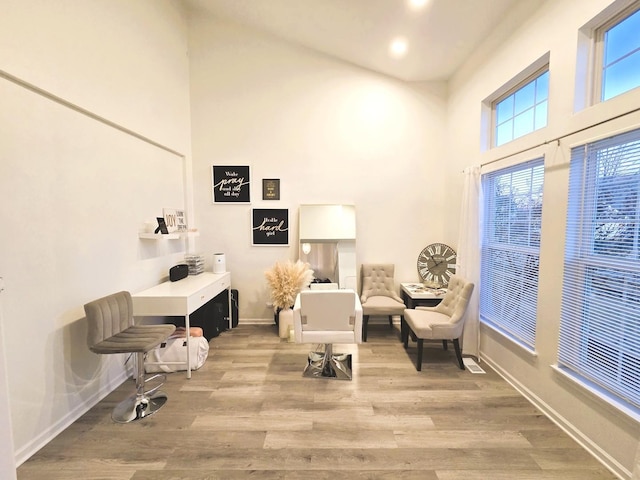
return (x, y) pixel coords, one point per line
(487, 315)
(581, 340)
(530, 78)
(599, 48)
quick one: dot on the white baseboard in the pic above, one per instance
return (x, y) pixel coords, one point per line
(26, 452)
(598, 453)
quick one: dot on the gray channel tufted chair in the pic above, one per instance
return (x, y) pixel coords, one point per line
(112, 330)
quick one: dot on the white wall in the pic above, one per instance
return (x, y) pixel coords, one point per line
(331, 132)
(610, 435)
(81, 83)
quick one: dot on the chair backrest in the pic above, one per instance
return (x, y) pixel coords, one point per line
(107, 316)
(328, 310)
(454, 304)
(377, 280)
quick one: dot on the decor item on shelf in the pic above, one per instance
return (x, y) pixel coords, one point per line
(219, 263)
(178, 272)
(286, 280)
(195, 261)
(436, 264)
(162, 226)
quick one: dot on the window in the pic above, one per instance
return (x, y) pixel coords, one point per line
(600, 320)
(619, 51)
(523, 110)
(511, 250)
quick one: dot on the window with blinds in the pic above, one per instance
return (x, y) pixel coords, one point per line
(600, 320)
(511, 250)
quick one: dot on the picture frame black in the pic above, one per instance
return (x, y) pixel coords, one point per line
(270, 189)
(231, 183)
(270, 226)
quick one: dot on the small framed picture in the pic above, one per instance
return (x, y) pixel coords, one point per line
(270, 189)
(270, 226)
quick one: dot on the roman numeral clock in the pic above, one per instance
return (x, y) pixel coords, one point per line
(436, 264)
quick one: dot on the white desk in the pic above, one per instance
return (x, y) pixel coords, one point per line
(182, 298)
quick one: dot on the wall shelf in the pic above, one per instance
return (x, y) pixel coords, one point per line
(167, 236)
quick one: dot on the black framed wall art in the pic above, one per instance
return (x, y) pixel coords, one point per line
(231, 183)
(270, 189)
(270, 226)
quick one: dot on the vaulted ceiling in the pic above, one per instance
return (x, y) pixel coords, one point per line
(439, 34)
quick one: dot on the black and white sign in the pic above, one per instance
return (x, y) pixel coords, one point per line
(231, 184)
(270, 226)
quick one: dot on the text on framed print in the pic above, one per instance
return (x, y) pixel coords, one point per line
(270, 226)
(231, 184)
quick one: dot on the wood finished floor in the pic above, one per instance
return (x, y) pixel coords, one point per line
(248, 413)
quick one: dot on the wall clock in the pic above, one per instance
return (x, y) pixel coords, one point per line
(436, 264)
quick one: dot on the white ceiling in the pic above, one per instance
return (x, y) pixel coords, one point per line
(440, 36)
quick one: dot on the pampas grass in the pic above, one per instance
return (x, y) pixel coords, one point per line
(286, 279)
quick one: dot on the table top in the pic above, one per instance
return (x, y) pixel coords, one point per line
(182, 288)
(418, 290)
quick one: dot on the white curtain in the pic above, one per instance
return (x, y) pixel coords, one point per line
(469, 255)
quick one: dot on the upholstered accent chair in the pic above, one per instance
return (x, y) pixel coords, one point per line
(443, 322)
(328, 317)
(379, 296)
(112, 330)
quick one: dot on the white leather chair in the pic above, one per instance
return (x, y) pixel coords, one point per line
(328, 317)
(443, 322)
(379, 297)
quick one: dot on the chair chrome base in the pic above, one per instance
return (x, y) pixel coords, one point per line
(136, 407)
(328, 365)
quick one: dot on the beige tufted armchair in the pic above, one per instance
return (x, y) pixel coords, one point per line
(443, 322)
(379, 295)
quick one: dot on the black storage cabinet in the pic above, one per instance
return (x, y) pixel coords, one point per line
(213, 316)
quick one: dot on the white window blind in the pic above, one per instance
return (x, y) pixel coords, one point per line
(511, 250)
(600, 320)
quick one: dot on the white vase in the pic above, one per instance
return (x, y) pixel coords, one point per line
(285, 322)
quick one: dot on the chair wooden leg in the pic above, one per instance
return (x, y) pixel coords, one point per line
(456, 345)
(404, 332)
(391, 321)
(444, 345)
(419, 361)
(365, 324)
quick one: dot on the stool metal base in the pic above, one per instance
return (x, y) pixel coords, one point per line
(328, 365)
(136, 407)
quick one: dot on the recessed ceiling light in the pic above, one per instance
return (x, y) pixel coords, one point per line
(398, 47)
(417, 4)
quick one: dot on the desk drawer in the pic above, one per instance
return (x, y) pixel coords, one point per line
(201, 297)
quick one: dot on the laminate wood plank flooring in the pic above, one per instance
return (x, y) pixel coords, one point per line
(249, 413)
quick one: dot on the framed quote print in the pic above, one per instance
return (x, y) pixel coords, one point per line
(270, 226)
(231, 184)
(270, 189)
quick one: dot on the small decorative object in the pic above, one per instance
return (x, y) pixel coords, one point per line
(181, 221)
(231, 184)
(195, 262)
(270, 226)
(271, 189)
(286, 280)
(436, 264)
(162, 226)
(170, 219)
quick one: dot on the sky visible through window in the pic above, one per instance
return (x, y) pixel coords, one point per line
(523, 111)
(621, 62)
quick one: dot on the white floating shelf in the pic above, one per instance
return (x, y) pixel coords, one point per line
(167, 236)
(159, 236)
